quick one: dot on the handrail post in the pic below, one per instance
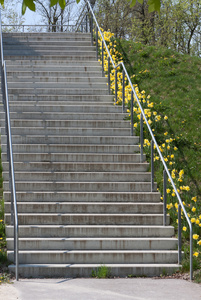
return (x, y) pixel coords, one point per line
(96, 43)
(132, 113)
(108, 74)
(164, 196)
(115, 86)
(179, 234)
(152, 166)
(86, 24)
(191, 252)
(91, 29)
(102, 59)
(123, 91)
(141, 138)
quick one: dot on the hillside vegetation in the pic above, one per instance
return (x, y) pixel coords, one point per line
(172, 82)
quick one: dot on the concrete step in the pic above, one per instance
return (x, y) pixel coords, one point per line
(90, 56)
(50, 79)
(80, 176)
(96, 256)
(73, 131)
(60, 148)
(10, 42)
(83, 207)
(151, 197)
(77, 167)
(95, 243)
(67, 109)
(90, 186)
(63, 115)
(85, 270)
(19, 66)
(63, 103)
(76, 157)
(88, 219)
(110, 231)
(45, 36)
(40, 98)
(92, 140)
(71, 73)
(58, 91)
(25, 48)
(71, 123)
(44, 48)
(47, 84)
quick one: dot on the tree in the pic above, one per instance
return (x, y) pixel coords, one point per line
(10, 16)
(115, 15)
(176, 27)
(55, 16)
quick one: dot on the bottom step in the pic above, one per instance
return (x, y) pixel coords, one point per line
(85, 270)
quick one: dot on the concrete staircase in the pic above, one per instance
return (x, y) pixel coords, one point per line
(84, 198)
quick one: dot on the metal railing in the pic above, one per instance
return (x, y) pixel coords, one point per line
(14, 216)
(38, 28)
(153, 142)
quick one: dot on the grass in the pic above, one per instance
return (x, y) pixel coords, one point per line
(173, 82)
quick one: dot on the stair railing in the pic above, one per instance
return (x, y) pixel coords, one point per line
(14, 215)
(153, 142)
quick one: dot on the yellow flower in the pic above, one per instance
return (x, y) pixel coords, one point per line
(184, 228)
(166, 133)
(199, 242)
(169, 206)
(197, 221)
(165, 118)
(195, 236)
(196, 254)
(192, 220)
(175, 148)
(168, 191)
(193, 209)
(194, 199)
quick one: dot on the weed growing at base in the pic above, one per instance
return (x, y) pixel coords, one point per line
(101, 272)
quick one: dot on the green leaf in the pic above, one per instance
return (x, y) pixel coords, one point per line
(154, 5)
(24, 7)
(62, 3)
(77, 1)
(53, 2)
(2, 2)
(30, 4)
(133, 2)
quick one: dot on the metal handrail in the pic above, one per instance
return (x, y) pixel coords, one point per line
(14, 215)
(37, 25)
(143, 116)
